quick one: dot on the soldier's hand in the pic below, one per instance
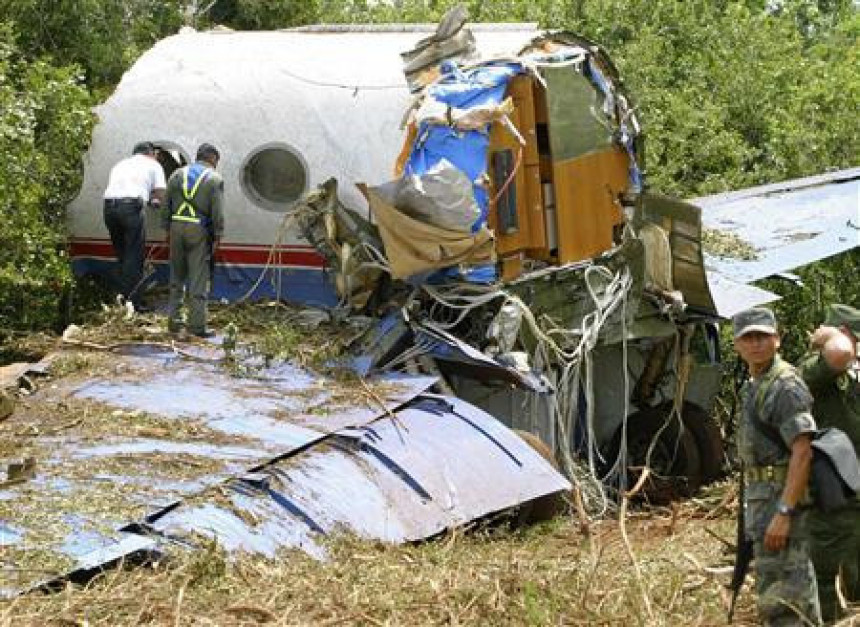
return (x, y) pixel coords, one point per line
(776, 536)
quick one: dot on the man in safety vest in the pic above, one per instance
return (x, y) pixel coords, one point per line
(832, 372)
(775, 447)
(194, 220)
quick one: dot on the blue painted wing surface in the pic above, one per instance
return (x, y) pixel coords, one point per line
(210, 427)
(731, 297)
(280, 460)
(789, 224)
(436, 464)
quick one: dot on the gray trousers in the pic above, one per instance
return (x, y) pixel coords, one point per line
(189, 273)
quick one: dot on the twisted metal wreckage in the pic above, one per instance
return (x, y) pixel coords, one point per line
(516, 276)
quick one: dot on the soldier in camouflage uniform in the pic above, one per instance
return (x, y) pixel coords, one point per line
(775, 435)
(832, 373)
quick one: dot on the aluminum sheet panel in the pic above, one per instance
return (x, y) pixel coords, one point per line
(731, 297)
(109, 450)
(436, 464)
(789, 224)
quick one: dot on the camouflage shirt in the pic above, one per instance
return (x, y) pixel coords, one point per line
(783, 413)
(837, 395)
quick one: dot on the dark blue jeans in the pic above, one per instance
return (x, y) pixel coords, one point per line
(124, 221)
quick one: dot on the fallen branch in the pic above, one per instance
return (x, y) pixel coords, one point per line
(373, 395)
(171, 346)
(260, 614)
(724, 503)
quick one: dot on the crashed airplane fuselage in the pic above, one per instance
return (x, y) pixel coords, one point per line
(517, 256)
(288, 110)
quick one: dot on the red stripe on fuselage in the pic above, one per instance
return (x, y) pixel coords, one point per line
(239, 254)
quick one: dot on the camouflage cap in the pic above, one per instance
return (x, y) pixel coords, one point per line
(843, 316)
(758, 319)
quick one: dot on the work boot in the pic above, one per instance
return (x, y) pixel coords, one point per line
(203, 334)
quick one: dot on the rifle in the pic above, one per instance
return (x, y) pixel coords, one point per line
(743, 546)
(743, 550)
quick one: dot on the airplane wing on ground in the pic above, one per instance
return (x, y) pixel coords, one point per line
(767, 230)
(786, 225)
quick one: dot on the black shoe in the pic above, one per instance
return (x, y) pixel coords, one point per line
(203, 334)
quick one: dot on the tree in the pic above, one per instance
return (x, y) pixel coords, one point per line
(45, 124)
(102, 36)
(263, 14)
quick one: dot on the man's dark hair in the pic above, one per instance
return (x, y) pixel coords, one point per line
(143, 148)
(208, 152)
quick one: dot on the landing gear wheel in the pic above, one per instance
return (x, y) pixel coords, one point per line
(708, 438)
(675, 463)
(545, 507)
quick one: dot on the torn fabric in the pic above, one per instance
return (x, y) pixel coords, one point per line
(414, 247)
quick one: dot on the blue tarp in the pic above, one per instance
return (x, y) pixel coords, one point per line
(467, 150)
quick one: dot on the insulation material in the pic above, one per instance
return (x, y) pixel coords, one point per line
(413, 247)
(442, 196)
(432, 111)
(478, 88)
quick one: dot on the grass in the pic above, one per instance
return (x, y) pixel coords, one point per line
(545, 575)
(549, 574)
(725, 244)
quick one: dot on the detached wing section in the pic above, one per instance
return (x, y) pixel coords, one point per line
(787, 225)
(706, 291)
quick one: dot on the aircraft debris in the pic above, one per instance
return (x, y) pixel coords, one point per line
(139, 449)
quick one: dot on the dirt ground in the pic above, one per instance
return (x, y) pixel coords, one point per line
(545, 575)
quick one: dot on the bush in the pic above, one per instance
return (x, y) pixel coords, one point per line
(45, 125)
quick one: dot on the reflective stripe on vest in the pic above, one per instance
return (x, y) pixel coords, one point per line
(187, 212)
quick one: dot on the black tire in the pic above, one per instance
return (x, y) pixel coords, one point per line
(675, 464)
(545, 507)
(708, 438)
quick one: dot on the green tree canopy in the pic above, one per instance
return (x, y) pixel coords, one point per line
(732, 93)
(104, 37)
(45, 124)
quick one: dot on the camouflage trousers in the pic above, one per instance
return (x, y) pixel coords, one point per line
(835, 548)
(785, 585)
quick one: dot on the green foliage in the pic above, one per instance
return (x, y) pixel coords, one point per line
(102, 36)
(45, 124)
(263, 14)
(733, 95)
(801, 309)
(430, 11)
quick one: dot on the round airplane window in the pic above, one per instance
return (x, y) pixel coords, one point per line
(274, 176)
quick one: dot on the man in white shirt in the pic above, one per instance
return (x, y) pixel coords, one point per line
(134, 182)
